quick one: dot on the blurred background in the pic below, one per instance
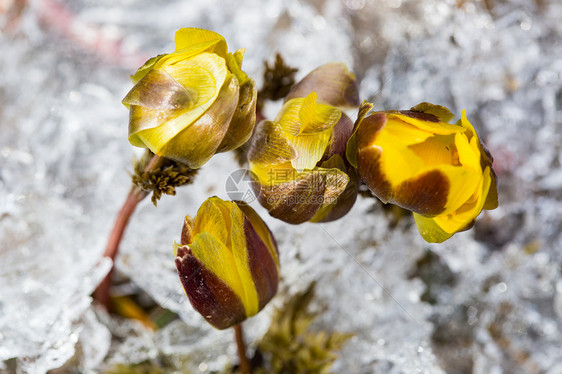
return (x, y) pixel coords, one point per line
(487, 301)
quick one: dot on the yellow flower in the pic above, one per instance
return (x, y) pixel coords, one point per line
(227, 262)
(417, 160)
(297, 160)
(194, 102)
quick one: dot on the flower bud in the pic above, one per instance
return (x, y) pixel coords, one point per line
(194, 102)
(227, 262)
(298, 160)
(417, 160)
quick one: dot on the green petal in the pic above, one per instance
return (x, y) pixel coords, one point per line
(430, 230)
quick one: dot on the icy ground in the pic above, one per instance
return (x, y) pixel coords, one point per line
(487, 301)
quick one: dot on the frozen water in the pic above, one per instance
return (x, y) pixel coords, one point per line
(488, 300)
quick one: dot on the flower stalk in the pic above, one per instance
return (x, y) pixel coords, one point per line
(135, 196)
(245, 366)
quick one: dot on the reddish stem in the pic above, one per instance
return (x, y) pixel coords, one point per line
(135, 196)
(245, 367)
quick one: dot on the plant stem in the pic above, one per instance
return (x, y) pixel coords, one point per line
(245, 367)
(136, 195)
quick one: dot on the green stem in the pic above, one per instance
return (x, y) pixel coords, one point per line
(245, 367)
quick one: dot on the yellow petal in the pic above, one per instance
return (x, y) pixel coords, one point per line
(463, 183)
(308, 127)
(204, 75)
(404, 132)
(463, 216)
(442, 227)
(468, 153)
(234, 63)
(314, 117)
(273, 174)
(438, 150)
(220, 245)
(464, 122)
(309, 148)
(398, 162)
(261, 229)
(242, 260)
(435, 127)
(269, 145)
(218, 259)
(154, 100)
(198, 40)
(210, 218)
(199, 141)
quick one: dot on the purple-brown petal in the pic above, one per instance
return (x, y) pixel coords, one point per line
(425, 194)
(418, 115)
(346, 200)
(486, 160)
(333, 83)
(369, 168)
(342, 131)
(210, 296)
(243, 120)
(187, 231)
(262, 264)
(368, 156)
(294, 202)
(269, 145)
